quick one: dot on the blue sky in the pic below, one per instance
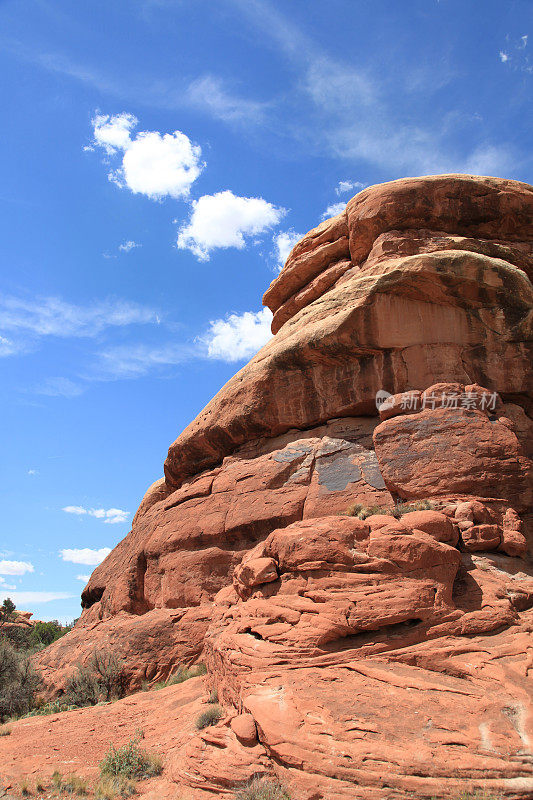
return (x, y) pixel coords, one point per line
(159, 157)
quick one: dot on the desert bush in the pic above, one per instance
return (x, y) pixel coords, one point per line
(209, 717)
(24, 788)
(102, 678)
(82, 688)
(5, 730)
(213, 696)
(262, 789)
(19, 682)
(131, 761)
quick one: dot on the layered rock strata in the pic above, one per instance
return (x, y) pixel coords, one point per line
(362, 647)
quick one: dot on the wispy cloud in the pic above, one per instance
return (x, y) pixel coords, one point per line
(126, 247)
(52, 316)
(515, 55)
(137, 360)
(29, 321)
(354, 112)
(31, 598)
(209, 93)
(59, 387)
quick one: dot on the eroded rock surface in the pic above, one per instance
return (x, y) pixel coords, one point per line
(386, 654)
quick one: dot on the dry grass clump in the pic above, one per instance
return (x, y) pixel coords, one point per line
(5, 730)
(363, 512)
(182, 674)
(112, 787)
(262, 789)
(209, 717)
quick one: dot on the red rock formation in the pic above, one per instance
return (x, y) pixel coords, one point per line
(376, 657)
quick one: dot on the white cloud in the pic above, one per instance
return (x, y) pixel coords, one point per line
(348, 186)
(112, 516)
(7, 587)
(51, 316)
(33, 472)
(113, 133)
(523, 41)
(504, 56)
(129, 245)
(157, 165)
(238, 336)
(284, 241)
(28, 598)
(86, 556)
(15, 567)
(84, 578)
(333, 210)
(225, 220)
(209, 93)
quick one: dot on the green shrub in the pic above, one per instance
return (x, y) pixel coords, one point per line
(102, 678)
(262, 789)
(209, 717)
(19, 682)
(131, 761)
(53, 707)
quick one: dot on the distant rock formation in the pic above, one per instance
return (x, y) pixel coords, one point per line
(379, 655)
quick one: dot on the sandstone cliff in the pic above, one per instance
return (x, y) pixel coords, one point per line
(374, 656)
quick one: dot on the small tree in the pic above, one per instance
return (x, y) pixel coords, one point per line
(7, 611)
(19, 682)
